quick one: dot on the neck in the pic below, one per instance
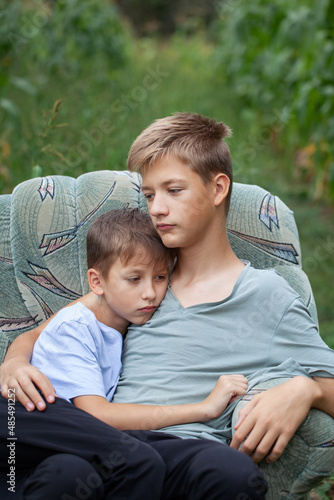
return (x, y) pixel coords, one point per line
(103, 313)
(208, 258)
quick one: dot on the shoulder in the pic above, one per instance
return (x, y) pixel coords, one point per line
(269, 282)
(71, 319)
(75, 313)
(268, 277)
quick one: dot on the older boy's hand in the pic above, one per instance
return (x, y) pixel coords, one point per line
(17, 374)
(268, 422)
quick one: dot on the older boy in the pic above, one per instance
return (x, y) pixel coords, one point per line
(187, 180)
(80, 351)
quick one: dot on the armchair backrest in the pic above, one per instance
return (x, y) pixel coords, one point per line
(43, 241)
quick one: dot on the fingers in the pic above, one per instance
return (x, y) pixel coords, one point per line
(261, 434)
(278, 449)
(253, 435)
(239, 390)
(25, 387)
(233, 381)
(236, 385)
(29, 395)
(260, 444)
(241, 431)
(243, 414)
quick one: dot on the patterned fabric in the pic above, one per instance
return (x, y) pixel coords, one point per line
(43, 243)
(308, 458)
(43, 260)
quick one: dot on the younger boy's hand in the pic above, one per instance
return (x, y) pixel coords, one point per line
(227, 389)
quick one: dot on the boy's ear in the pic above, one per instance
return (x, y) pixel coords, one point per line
(222, 186)
(94, 281)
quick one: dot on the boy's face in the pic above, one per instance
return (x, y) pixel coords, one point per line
(134, 290)
(181, 206)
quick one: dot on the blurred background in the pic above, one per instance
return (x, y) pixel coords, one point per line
(80, 79)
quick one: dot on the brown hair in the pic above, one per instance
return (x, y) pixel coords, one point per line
(119, 233)
(193, 139)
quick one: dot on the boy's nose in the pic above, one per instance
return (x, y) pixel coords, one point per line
(158, 206)
(148, 292)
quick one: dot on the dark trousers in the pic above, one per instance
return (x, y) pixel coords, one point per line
(64, 453)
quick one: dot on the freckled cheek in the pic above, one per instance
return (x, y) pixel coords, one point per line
(186, 207)
(195, 207)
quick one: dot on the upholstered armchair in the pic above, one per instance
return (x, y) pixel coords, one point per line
(44, 223)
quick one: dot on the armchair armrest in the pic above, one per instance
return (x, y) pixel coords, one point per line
(306, 461)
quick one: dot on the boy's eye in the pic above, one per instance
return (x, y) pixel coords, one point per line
(148, 196)
(133, 279)
(161, 277)
(174, 190)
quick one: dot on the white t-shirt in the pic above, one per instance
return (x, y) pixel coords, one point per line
(80, 355)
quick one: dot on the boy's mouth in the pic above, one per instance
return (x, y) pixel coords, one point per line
(148, 309)
(164, 227)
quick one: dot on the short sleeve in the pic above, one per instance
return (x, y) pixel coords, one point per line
(297, 337)
(68, 356)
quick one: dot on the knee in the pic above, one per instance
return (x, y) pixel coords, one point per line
(150, 463)
(221, 472)
(63, 476)
(246, 480)
(138, 455)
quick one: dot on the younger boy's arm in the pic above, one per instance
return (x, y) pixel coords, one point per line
(126, 416)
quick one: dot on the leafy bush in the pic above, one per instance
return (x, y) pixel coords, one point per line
(49, 51)
(59, 33)
(76, 29)
(279, 57)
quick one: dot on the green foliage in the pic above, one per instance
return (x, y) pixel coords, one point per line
(75, 29)
(60, 33)
(325, 491)
(279, 57)
(49, 50)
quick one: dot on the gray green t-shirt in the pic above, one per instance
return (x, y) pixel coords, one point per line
(263, 330)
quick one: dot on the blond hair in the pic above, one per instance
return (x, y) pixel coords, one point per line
(193, 139)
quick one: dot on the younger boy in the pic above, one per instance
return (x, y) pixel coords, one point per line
(80, 351)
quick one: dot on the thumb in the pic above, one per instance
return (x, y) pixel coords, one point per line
(243, 413)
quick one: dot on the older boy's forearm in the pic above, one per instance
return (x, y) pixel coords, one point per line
(23, 345)
(325, 399)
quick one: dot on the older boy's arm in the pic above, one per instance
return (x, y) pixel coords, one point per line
(269, 421)
(325, 402)
(17, 373)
